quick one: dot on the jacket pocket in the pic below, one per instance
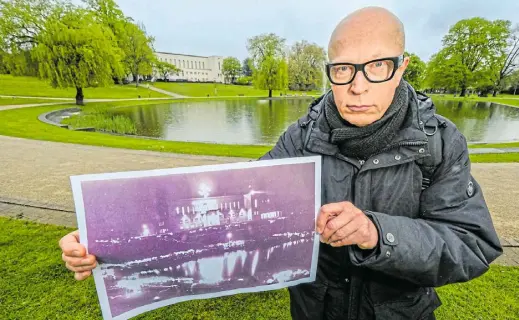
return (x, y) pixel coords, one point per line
(415, 306)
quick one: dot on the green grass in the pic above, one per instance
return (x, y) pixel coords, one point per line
(20, 101)
(102, 121)
(36, 285)
(204, 89)
(33, 87)
(496, 145)
(501, 99)
(24, 123)
(495, 157)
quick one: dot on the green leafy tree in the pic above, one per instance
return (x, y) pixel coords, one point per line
(137, 47)
(444, 73)
(246, 67)
(76, 51)
(231, 68)
(415, 72)
(165, 69)
(305, 66)
(472, 42)
(267, 54)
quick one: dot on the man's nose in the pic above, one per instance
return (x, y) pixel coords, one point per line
(360, 84)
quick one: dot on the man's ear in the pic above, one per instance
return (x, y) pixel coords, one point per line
(405, 63)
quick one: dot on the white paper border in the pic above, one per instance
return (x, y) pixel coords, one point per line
(98, 278)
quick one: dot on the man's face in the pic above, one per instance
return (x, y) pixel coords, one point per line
(361, 102)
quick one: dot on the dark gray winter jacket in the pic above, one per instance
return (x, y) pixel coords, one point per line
(427, 238)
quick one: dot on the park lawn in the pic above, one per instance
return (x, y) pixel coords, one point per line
(20, 101)
(36, 285)
(223, 90)
(34, 87)
(16, 122)
(501, 99)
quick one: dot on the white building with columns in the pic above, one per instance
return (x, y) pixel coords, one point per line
(193, 68)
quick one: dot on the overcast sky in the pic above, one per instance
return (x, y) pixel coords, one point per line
(221, 27)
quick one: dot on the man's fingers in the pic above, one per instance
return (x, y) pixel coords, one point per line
(82, 275)
(81, 268)
(349, 229)
(335, 224)
(327, 212)
(73, 249)
(79, 261)
(71, 237)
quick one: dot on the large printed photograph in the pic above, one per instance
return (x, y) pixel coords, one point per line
(166, 236)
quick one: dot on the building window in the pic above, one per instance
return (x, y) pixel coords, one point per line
(218, 65)
(191, 64)
(203, 65)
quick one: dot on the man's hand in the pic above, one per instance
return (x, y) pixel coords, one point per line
(342, 224)
(75, 257)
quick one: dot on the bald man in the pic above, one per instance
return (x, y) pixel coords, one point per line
(402, 213)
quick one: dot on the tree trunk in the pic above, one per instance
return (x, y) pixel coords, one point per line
(270, 93)
(515, 90)
(494, 94)
(79, 96)
(463, 91)
(136, 78)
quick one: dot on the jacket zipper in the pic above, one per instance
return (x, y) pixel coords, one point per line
(361, 162)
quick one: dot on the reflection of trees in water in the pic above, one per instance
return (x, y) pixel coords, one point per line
(475, 119)
(275, 117)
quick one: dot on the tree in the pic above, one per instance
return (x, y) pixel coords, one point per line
(267, 54)
(76, 51)
(165, 69)
(137, 48)
(21, 23)
(508, 62)
(246, 67)
(444, 73)
(512, 82)
(415, 72)
(472, 42)
(231, 68)
(305, 66)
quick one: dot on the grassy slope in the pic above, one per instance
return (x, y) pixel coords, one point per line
(33, 87)
(204, 89)
(502, 99)
(36, 285)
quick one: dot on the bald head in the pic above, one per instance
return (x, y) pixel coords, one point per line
(372, 26)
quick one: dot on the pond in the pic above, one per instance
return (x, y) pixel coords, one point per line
(253, 121)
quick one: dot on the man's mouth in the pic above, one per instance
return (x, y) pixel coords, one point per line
(360, 108)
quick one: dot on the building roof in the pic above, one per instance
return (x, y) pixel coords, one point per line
(181, 54)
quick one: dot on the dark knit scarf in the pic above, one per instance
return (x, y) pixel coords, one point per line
(363, 142)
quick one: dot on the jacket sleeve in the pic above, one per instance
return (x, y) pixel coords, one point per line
(453, 240)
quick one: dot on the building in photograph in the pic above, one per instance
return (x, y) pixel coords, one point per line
(193, 68)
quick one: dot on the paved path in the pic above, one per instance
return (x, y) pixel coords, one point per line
(168, 93)
(68, 100)
(39, 171)
(493, 150)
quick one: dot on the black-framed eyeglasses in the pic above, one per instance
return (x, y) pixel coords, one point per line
(376, 71)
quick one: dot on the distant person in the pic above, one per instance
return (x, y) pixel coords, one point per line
(402, 212)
